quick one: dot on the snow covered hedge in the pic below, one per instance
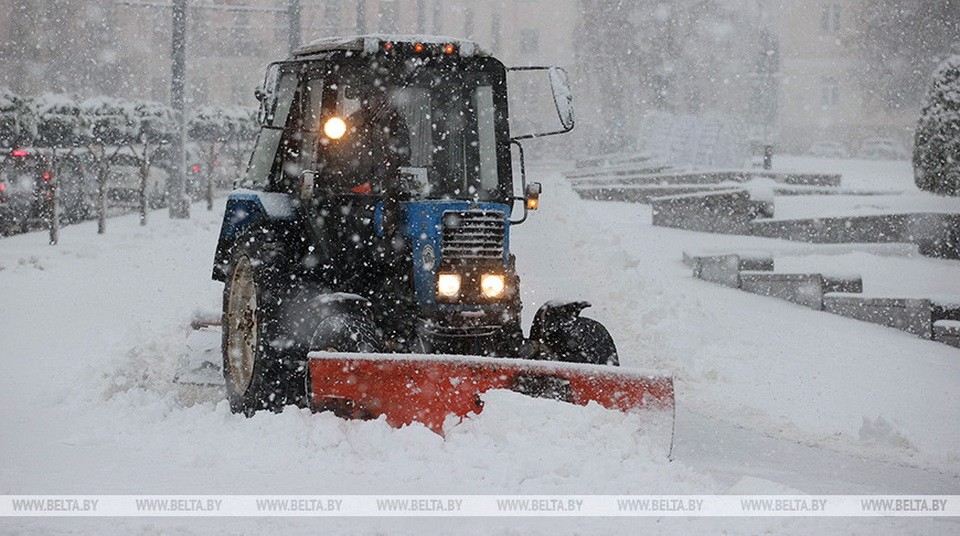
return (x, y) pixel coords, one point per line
(60, 120)
(936, 154)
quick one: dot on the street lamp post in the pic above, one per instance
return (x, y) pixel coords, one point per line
(179, 207)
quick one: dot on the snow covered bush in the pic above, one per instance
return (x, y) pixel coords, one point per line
(936, 154)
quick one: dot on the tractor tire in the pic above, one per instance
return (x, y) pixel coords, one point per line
(588, 341)
(258, 368)
(346, 332)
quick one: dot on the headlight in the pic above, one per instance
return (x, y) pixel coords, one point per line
(492, 285)
(448, 285)
(335, 128)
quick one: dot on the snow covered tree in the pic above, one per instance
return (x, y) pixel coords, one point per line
(112, 127)
(153, 126)
(899, 41)
(17, 121)
(61, 130)
(219, 132)
(936, 154)
(61, 124)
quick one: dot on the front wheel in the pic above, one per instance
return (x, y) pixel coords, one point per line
(588, 341)
(346, 332)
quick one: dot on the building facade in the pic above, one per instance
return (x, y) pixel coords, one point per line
(821, 97)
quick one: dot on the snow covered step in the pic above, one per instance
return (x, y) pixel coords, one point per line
(906, 314)
(729, 211)
(846, 283)
(947, 332)
(721, 269)
(748, 261)
(802, 289)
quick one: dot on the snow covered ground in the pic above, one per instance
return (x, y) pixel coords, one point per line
(772, 398)
(861, 175)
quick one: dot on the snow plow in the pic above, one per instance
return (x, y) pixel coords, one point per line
(366, 255)
(430, 389)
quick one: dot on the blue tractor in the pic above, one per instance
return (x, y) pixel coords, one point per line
(375, 219)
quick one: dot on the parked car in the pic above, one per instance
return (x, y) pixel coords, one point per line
(882, 149)
(123, 184)
(16, 196)
(829, 149)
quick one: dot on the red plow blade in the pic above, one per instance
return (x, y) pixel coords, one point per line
(428, 389)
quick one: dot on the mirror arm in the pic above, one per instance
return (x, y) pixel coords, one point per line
(540, 135)
(523, 183)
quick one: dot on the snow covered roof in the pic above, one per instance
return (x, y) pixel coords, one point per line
(372, 43)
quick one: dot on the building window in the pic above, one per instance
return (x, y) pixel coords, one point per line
(437, 16)
(468, 22)
(529, 41)
(496, 32)
(830, 20)
(361, 16)
(331, 13)
(422, 16)
(829, 92)
(389, 15)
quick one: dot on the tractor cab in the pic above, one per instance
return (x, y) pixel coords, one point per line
(418, 120)
(389, 159)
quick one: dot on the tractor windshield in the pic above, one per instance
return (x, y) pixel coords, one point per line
(426, 129)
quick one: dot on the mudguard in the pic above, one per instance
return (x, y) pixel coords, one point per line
(246, 208)
(553, 320)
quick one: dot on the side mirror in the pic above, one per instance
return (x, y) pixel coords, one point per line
(562, 97)
(266, 93)
(532, 195)
(562, 100)
(308, 180)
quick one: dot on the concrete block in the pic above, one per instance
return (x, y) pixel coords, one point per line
(756, 263)
(910, 315)
(723, 211)
(720, 269)
(748, 261)
(802, 289)
(937, 235)
(852, 284)
(945, 308)
(947, 332)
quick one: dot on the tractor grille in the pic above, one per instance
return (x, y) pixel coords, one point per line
(473, 234)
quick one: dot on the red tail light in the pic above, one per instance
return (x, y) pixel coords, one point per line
(20, 153)
(3, 187)
(196, 169)
(47, 176)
